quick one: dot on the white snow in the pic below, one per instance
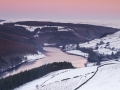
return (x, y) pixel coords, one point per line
(106, 23)
(66, 79)
(17, 20)
(70, 47)
(110, 43)
(63, 29)
(110, 62)
(105, 51)
(34, 57)
(8, 21)
(36, 35)
(77, 52)
(29, 28)
(107, 78)
(114, 61)
(104, 77)
(32, 28)
(47, 44)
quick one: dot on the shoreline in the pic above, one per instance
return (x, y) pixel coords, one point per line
(15, 67)
(10, 69)
(52, 53)
(76, 55)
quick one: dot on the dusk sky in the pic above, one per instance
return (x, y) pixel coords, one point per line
(60, 9)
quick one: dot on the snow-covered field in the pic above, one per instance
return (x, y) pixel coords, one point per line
(67, 79)
(114, 61)
(34, 57)
(107, 23)
(77, 52)
(106, 45)
(105, 77)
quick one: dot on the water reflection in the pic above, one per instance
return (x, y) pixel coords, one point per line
(53, 55)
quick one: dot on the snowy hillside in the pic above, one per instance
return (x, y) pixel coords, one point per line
(61, 80)
(77, 52)
(105, 77)
(106, 45)
(29, 28)
(7, 21)
(107, 23)
(32, 28)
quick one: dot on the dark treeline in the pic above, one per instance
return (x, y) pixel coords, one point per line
(6, 65)
(49, 23)
(93, 56)
(62, 37)
(14, 81)
(96, 57)
(15, 43)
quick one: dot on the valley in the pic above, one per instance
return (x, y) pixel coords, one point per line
(22, 40)
(52, 55)
(60, 45)
(33, 44)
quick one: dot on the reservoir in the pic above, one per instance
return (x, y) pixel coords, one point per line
(53, 54)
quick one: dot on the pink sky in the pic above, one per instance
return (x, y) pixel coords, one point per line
(60, 9)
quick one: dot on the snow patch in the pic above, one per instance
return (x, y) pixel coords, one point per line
(106, 78)
(29, 28)
(106, 45)
(78, 52)
(47, 44)
(67, 79)
(34, 57)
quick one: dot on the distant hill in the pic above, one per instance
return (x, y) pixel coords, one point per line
(15, 43)
(16, 36)
(35, 32)
(26, 38)
(8, 47)
(1, 20)
(76, 33)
